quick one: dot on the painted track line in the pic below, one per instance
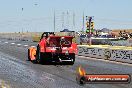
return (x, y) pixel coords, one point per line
(33, 46)
(12, 43)
(6, 42)
(25, 45)
(18, 44)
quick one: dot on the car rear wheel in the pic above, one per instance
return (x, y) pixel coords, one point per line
(72, 62)
(72, 56)
(29, 59)
(38, 55)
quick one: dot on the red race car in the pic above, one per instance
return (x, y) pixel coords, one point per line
(53, 48)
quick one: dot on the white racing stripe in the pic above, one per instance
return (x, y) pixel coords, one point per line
(12, 43)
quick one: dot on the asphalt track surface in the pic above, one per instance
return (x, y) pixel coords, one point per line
(17, 72)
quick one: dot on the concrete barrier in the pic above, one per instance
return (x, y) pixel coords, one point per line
(114, 53)
(91, 51)
(122, 55)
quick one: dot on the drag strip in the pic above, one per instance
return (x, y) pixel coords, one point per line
(20, 73)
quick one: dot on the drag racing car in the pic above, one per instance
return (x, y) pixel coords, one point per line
(51, 48)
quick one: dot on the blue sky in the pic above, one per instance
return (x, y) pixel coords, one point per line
(112, 14)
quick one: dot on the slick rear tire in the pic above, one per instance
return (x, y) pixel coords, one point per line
(38, 55)
(73, 57)
(71, 63)
(29, 59)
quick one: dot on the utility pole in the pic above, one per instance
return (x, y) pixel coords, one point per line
(63, 20)
(22, 22)
(83, 23)
(54, 21)
(73, 21)
(67, 20)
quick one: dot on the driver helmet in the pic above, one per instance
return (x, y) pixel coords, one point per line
(62, 39)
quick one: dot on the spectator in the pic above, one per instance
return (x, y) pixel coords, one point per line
(120, 33)
(130, 35)
(124, 31)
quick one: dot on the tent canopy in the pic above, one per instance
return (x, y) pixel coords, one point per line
(66, 30)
